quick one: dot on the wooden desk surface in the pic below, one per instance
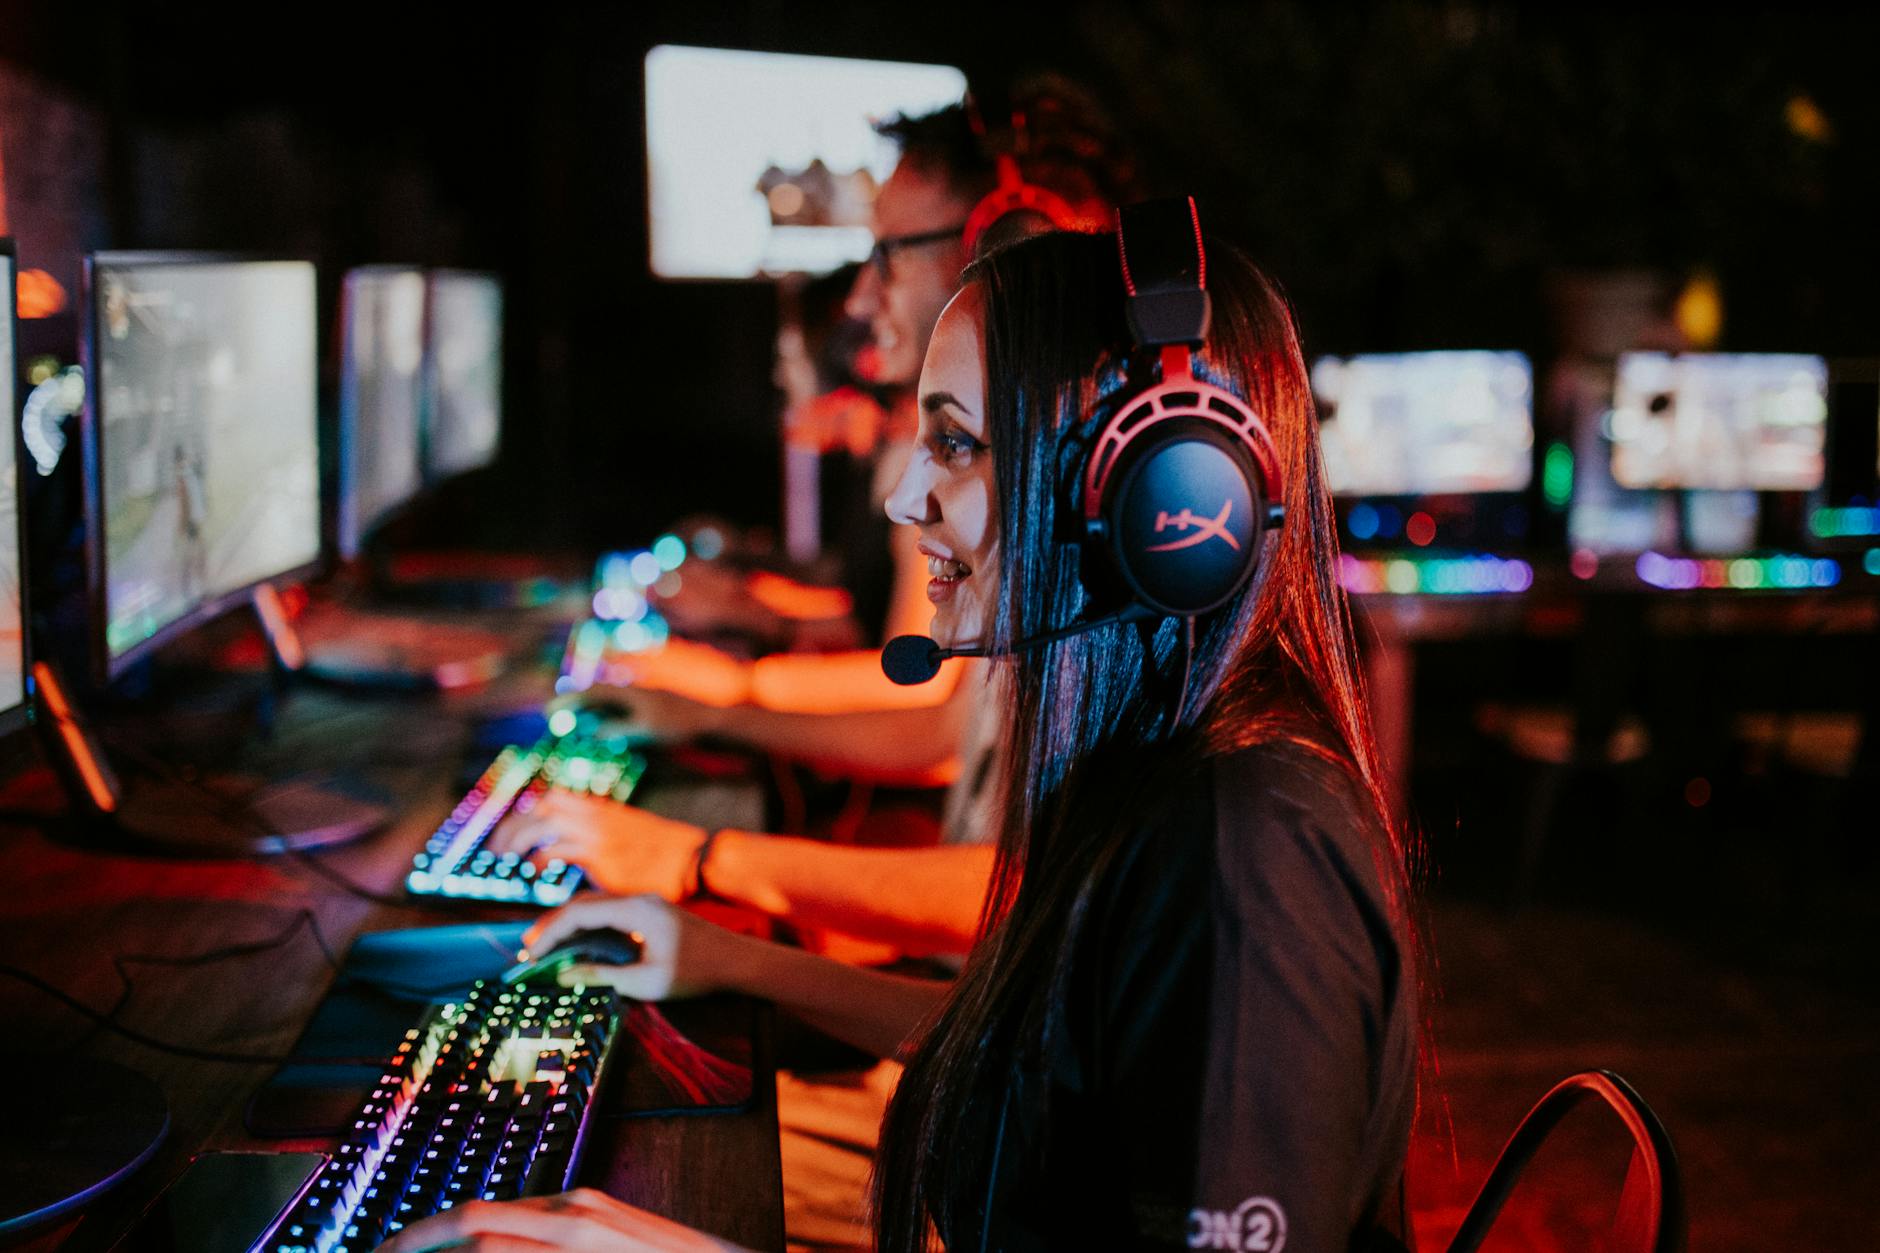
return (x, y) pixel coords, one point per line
(71, 909)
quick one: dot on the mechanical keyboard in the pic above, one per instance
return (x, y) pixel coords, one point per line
(488, 1098)
(455, 862)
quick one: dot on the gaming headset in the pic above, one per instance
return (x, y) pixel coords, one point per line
(1175, 494)
(1013, 193)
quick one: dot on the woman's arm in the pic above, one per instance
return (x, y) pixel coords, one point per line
(919, 900)
(904, 745)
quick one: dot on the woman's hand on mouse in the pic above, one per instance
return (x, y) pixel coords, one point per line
(581, 1221)
(663, 715)
(624, 849)
(681, 954)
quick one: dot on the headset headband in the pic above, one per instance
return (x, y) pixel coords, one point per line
(1165, 273)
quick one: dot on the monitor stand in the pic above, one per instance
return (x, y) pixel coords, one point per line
(63, 1144)
(211, 816)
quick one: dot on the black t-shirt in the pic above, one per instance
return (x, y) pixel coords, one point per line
(1236, 1068)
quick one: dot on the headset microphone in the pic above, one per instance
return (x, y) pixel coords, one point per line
(914, 659)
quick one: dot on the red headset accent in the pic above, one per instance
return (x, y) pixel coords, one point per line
(1014, 195)
(1178, 394)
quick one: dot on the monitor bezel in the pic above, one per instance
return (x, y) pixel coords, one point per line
(432, 474)
(351, 528)
(106, 667)
(18, 717)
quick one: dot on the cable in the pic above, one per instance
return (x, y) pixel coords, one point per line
(346, 885)
(165, 1046)
(1188, 669)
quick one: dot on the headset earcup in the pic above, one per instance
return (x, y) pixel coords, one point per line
(1184, 519)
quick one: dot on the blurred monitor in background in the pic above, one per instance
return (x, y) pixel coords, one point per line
(1849, 508)
(762, 163)
(12, 567)
(463, 372)
(1429, 450)
(202, 439)
(380, 398)
(1426, 423)
(1719, 422)
(1694, 451)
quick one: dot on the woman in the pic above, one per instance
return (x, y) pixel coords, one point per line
(1192, 1022)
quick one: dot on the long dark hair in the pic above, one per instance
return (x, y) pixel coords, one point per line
(1095, 748)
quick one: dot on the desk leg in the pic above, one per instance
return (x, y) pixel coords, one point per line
(1391, 677)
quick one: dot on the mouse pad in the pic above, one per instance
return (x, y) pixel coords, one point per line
(390, 976)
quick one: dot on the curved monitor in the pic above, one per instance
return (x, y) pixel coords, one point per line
(381, 397)
(13, 625)
(463, 372)
(202, 448)
(1426, 423)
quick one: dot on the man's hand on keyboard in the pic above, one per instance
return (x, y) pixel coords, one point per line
(582, 1221)
(623, 849)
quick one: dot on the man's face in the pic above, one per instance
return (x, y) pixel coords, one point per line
(902, 306)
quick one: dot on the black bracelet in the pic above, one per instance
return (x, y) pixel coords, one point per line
(699, 888)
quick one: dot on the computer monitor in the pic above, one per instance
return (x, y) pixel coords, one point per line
(463, 372)
(1701, 456)
(1426, 423)
(14, 651)
(201, 450)
(763, 163)
(1849, 508)
(1719, 421)
(381, 398)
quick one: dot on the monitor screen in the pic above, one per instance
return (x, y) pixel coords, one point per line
(1727, 422)
(764, 163)
(12, 599)
(204, 435)
(381, 394)
(464, 380)
(1426, 423)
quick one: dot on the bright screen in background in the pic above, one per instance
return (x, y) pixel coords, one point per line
(381, 390)
(466, 372)
(205, 397)
(12, 628)
(1719, 421)
(1426, 423)
(760, 163)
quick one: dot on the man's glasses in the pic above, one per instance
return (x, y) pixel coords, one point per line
(881, 257)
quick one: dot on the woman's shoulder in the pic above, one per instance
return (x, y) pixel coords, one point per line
(1297, 836)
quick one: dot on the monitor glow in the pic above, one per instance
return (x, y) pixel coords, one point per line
(204, 428)
(380, 399)
(1426, 423)
(463, 372)
(1719, 421)
(765, 163)
(12, 612)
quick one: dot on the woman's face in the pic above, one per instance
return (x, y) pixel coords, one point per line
(947, 490)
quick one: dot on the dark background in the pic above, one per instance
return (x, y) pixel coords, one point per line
(1414, 173)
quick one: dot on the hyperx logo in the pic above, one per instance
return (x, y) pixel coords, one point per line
(1209, 528)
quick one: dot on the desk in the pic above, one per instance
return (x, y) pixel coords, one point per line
(69, 909)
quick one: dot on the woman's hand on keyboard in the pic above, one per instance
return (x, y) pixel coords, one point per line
(624, 849)
(582, 1221)
(681, 954)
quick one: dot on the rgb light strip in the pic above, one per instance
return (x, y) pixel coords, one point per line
(1855, 520)
(1479, 575)
(1777, 572)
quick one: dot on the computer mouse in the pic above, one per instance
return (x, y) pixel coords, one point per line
(597, 946)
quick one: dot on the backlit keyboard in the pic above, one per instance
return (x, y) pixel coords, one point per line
(455, 861)
(487, 1099)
